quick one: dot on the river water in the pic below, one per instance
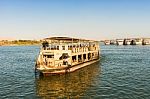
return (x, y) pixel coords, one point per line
(122, 73)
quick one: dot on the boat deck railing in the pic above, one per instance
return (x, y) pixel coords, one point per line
(73, 49)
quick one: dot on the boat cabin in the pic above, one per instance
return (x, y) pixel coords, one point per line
(61, 52)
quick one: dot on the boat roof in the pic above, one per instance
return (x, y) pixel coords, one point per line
(67, 39)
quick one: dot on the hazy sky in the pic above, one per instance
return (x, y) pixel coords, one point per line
(95, 19)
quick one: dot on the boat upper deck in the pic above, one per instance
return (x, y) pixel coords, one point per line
(67, 40)
(54, 43)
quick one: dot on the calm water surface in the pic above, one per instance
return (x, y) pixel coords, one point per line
(122, 73)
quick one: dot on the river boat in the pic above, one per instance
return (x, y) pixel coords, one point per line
(127, 41)
(113, 42)
(59, 55)
(107, 42)
(119, 41)
(138, 41)
(146, 41)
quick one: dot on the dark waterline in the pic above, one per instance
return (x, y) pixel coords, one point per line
(122, 73)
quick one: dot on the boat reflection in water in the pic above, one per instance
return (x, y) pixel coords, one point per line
(71, 85)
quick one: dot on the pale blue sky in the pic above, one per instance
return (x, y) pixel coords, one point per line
(94, 19)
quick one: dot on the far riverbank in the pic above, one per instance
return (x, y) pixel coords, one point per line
(19, 42)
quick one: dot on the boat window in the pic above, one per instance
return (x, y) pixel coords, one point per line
(57, 47)
(80, 45)
(45, 44)
(74, 46)
(63, 47)
(50, 56)
(84, 56)
(92, 54)
(54, 47)
(74, 58)
(64, 56)
(89, 56)
(48, 48)
(70, 47)
(79, 58)
(44, 56)
(93, 45)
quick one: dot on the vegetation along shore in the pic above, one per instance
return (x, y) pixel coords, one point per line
(19, 42)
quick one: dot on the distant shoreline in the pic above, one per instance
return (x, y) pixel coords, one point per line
(21, 45)
(19, 42)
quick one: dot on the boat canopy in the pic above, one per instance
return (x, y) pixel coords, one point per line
(66, 40)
